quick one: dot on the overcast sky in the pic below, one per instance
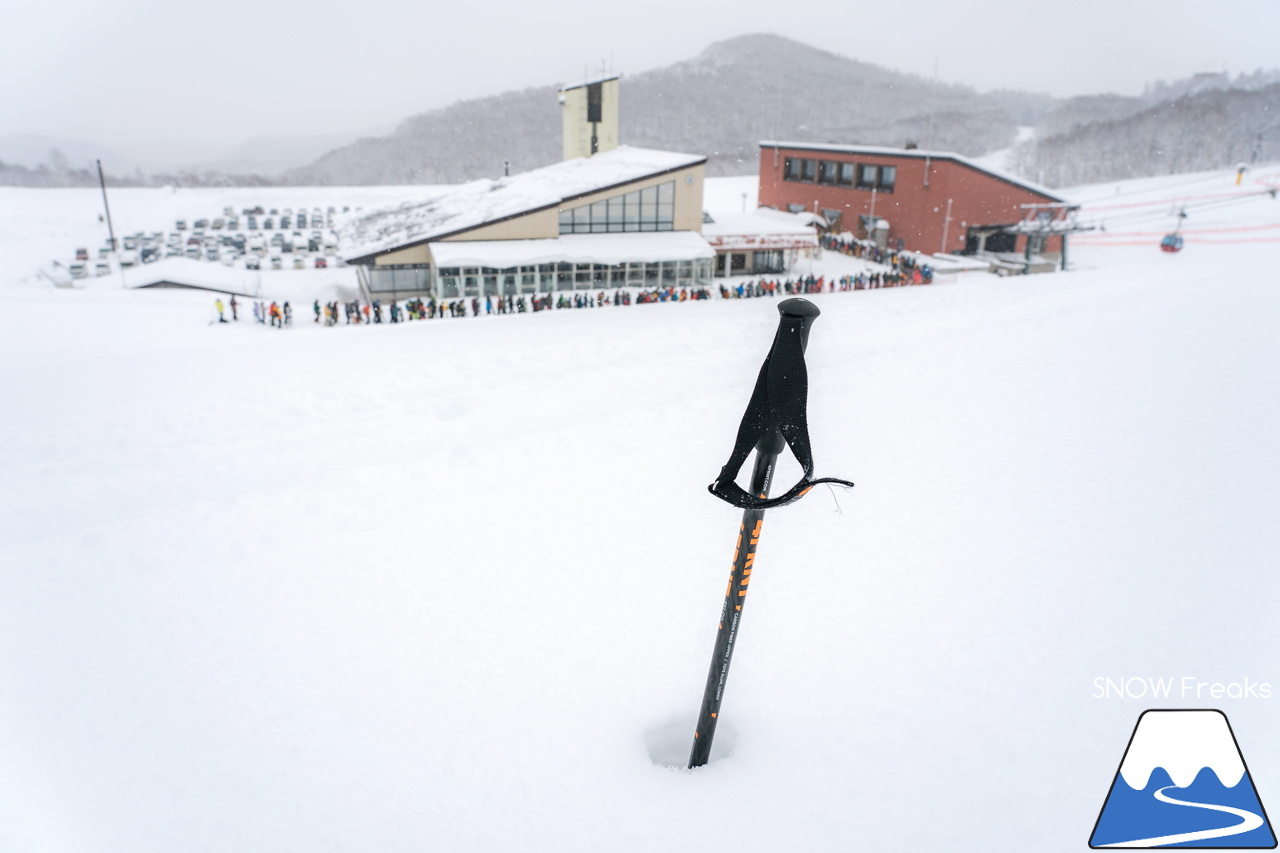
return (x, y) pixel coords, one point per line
(214, 74)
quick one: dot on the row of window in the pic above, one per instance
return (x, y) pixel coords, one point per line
(488, 281)
(862, 176)
(402, 278)
(649, 209)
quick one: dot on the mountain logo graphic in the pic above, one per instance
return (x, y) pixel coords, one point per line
(1183, 783)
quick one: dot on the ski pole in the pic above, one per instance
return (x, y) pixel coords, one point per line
(775, 419)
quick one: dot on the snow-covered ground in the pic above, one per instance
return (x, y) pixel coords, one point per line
(453, 585)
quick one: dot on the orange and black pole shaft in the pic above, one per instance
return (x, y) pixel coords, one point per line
(744, 556)
(796, 316)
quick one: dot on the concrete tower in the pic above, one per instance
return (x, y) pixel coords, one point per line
(589, 115)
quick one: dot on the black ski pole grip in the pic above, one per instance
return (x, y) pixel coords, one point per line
(776, 416)
(795, 316)
(804, 311)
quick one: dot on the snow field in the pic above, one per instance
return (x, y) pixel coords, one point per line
(453, 585)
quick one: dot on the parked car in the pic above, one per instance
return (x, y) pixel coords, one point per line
(131, 242)
(268, 224)
(201, 223)
(218, 224)
(128, 258)
(173, 252)
(251, 222)
(286, 221)
(211, 253)
(82, 254)
(79, 270)
(101, 268)
(103, 252)
(277, 263)
(180, 225)
(253, 262)
(274, 211)
(150, 253)
(233, 223)
(193, 252)
(321, 263)
(299, 262)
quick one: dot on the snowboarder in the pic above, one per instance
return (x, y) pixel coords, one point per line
(218, 304)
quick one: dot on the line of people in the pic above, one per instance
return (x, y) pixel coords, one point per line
(900, 262)
(357, 312)
(278, 315)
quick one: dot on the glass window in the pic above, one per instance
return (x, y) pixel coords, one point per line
(650, 209)
(635, 273)
(867, 177)
(809, 169)
(564, 276)
(702, 270)
(827, 171)
(846, 174)
(791, 171)
(449, 284)
(651, 273)
(888, 174)
(668, 272)
(618, 275)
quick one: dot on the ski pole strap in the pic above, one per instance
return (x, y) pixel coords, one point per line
(777, 413)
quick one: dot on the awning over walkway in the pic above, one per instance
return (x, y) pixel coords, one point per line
(611, 249)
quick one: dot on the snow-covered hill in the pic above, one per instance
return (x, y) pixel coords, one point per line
(452, 585)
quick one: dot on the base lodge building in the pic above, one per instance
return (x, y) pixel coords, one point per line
(923, 201)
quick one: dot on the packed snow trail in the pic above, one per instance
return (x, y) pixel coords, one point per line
(1249, 821)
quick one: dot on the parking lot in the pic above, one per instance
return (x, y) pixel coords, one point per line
(253, 238)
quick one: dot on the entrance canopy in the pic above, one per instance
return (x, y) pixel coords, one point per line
(610, 249)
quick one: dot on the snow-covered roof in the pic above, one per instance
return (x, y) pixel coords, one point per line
(763, 228)
(916, 153)
(574, 248)
(603, 78)
(463, 207)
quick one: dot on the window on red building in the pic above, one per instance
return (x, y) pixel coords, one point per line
(828, 172)
(880, 178)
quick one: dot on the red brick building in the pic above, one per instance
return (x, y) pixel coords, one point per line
(929, 201)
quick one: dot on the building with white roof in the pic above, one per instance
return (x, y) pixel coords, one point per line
(628, 216)
(760, 241)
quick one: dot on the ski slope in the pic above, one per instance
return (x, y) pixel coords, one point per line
(453, 585)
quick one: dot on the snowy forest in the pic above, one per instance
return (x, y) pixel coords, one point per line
(736, 92)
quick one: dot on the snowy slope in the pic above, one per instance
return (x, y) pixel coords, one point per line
(453, 585)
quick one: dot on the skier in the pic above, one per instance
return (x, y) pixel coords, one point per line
(317, 310)
(218, 304)
(234, 315)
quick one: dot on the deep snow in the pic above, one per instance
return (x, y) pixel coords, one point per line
(453, 585)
